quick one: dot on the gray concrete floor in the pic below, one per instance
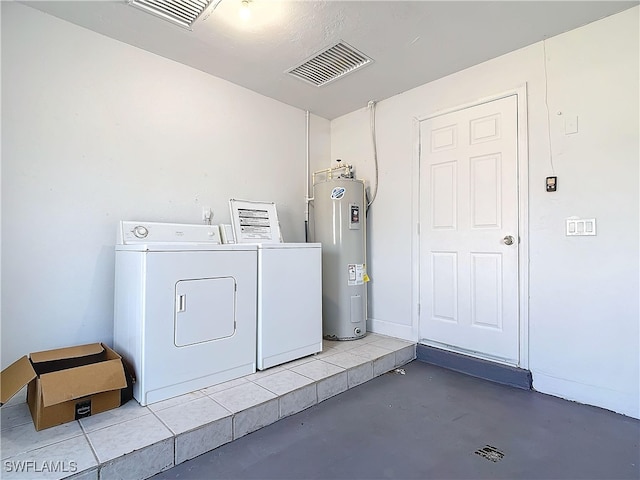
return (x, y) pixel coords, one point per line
(428, 424)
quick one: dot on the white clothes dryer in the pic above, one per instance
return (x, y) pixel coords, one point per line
(185, 308)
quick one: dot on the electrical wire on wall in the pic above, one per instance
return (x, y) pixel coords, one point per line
(372, 120)
(546, 102)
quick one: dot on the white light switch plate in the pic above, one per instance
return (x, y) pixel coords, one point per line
(581, 226)
(571, 124)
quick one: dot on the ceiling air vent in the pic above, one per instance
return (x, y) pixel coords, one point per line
(180, 12)
(330, 64)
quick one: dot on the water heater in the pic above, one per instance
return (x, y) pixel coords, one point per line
(339, 224)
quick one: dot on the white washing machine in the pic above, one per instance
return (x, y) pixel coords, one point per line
(185, 308)
(289, 302)
(289, 286)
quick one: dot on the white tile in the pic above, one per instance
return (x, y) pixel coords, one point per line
(300, 361)
(344, 345)
(345, 360)
(58, 460)
(187, 416)
(126, 437)
(384, 364)
(254, 418)
(171, 402)
(140, 464)
(298, 400)
(405, 355)
(370, 352)
(391, 343)
(224, 386)
(14, 415)
(24, 438)
(368, 338)
(348, 344)
(328, 352)
(359, 374)
(328, 344)
(128, 411)
(264, 373)
(243, 396)
(201, 440)
(332, 386)
(283, 382)
(318, 369)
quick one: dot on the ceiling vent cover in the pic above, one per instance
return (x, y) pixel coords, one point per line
(330, 64)
(181, 12)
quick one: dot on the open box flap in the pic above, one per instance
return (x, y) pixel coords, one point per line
(14, 377)
(68, 352)
(65, 385)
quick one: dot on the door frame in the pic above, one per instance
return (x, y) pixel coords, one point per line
(523, 216)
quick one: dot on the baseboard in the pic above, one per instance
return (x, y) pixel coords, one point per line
(476, 367)
(390, 329)
(624, 402)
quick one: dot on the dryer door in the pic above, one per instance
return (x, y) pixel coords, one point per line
(205, 310)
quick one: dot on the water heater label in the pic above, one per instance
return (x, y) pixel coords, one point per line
(337, 193)
(356, 274)
(354, 216)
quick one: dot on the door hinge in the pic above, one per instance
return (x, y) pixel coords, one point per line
(418, 309)
(418, 227)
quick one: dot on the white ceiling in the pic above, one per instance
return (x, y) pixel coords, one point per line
(411, 42)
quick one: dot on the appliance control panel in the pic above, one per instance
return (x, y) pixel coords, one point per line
(131, 232)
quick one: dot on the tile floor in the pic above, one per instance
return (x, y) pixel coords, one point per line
(135, 442)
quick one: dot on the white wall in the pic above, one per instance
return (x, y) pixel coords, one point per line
(95, 131)
(583, 291)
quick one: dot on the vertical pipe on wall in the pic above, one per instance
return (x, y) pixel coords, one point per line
(306, 179)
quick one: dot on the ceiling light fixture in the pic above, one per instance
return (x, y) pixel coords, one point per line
(245, 11)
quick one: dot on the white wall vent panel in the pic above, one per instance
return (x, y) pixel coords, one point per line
(181, 12)
(330, 64)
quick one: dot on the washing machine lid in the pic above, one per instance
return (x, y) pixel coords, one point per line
(280, 246)
(255, 222)
(183, 247)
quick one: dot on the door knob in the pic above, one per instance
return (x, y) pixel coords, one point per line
(508, 240)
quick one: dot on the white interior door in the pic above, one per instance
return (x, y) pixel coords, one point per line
(469, 230)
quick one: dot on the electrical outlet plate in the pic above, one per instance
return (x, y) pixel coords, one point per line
(552, 184)
(581, 226)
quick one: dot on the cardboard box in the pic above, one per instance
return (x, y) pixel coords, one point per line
(67, 383)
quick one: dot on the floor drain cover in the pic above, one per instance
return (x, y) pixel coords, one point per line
(490, 453)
